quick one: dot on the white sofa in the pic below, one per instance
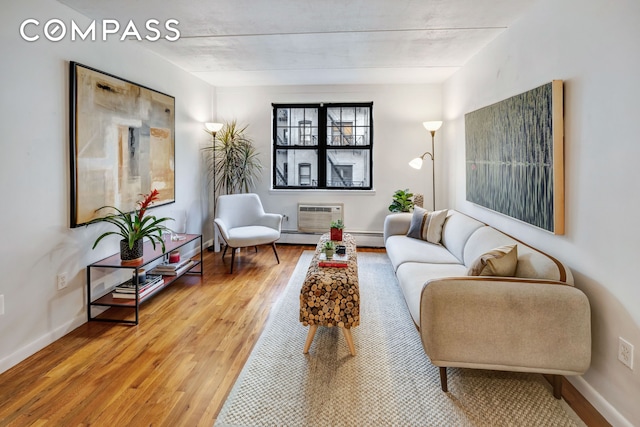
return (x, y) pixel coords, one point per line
(536, 321)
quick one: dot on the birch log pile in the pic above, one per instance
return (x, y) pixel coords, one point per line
(330, 295)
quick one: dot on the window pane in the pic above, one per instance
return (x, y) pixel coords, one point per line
(296, 168)
(362, 116)
(303, 126)
(283, 117)
(348, 168)
(283, 136)
(340, 133)
(333, 115)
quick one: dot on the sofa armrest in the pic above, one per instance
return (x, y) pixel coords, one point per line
(397, 223)
(510, 324)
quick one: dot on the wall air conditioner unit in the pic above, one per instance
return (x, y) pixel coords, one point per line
(317, 217)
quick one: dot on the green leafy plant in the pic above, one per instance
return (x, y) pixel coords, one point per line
(329, 245)
(133, 226)
(236, 167)
(401, 201)
(337, 224)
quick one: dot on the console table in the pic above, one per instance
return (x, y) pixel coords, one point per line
(150, 255)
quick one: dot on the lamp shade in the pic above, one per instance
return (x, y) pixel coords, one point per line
(432, 126)
(416, 163)
(213, 127)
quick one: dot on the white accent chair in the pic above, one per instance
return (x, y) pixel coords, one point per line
(243, 223)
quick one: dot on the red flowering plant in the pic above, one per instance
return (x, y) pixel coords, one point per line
(133, 226)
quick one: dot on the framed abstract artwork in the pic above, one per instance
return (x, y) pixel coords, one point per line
(515, 157)
(122, 143)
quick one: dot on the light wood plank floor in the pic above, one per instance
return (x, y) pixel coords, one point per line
(175, 368)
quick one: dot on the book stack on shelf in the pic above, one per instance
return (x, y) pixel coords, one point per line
(173, 268)
(127, 290)
(338, 261)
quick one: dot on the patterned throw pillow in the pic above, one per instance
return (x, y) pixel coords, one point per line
(501, 261)
(427, 225)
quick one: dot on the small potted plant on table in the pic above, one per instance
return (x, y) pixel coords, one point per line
(336, 230)
(329, 248)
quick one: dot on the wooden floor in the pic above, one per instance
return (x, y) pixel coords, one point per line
(175, 368)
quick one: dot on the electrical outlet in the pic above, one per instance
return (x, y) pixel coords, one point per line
(62, 281)
(625, 352)
(1, 305)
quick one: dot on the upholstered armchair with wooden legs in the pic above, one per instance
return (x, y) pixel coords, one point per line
(243, 223)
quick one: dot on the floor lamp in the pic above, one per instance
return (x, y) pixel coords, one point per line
(416, 163)
(213, 128)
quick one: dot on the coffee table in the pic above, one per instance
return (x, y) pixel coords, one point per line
(330, 296)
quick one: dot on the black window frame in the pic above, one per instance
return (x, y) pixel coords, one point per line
(322, 145)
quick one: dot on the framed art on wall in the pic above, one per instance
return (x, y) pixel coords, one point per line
(122, 143)
(515, 157)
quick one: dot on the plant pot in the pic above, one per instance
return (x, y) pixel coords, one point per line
(134, 254)
(336, 234)
(329, 253)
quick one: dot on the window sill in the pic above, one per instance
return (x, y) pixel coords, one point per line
(371, 192)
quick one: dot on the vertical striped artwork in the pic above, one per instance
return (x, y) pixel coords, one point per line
(515, 157)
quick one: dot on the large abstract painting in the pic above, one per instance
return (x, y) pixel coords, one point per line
(122, 143)
(515, 157)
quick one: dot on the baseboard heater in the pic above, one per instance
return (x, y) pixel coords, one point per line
(363, 238)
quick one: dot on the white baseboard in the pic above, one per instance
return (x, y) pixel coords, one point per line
(40, 343)
(605, 409)
(363, 238)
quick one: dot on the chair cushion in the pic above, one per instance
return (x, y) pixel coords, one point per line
(501, 261)
(427, 225)
(251, 235)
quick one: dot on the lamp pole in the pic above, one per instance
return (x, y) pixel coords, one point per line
(433, 168)
(416, 163)
(213, 128)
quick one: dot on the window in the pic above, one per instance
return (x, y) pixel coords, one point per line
(323, 146)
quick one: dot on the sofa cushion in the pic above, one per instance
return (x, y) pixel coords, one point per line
(501, 261)
(456, 231)
(412, 277)
(403, 249)
(427, 225)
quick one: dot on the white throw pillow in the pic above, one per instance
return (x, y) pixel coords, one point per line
(427, 225)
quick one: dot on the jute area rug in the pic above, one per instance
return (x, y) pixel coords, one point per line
(389, 382)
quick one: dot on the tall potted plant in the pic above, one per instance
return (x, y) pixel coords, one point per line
(236, 167)
(133, 227)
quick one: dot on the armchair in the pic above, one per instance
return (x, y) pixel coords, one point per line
(242, 223)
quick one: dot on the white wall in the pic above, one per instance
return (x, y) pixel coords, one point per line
(592, 46)
(398, 113)
(37, 243)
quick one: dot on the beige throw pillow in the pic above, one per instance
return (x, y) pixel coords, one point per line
(500, 261)
(427, 225)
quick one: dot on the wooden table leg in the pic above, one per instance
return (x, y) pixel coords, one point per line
(349, 338)
(310, 335)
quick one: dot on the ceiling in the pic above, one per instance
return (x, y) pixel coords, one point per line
(288, 42)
